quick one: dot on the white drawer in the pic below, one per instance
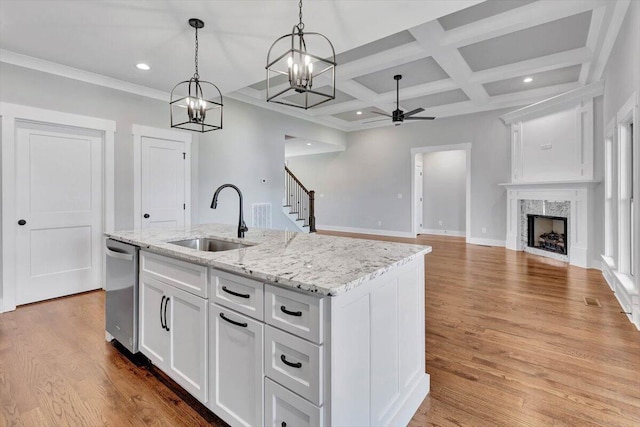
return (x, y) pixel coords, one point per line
(286, 409)
(238, 293)
(295, 312)
(183, 275)
(294, 363)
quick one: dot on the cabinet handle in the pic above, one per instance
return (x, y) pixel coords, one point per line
(166, 324)
(161, 321)
(224, 288)
(243, 325)
(283, 424)
(290, 313)
(293, 365)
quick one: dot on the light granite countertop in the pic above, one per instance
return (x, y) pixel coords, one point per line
(327, 265)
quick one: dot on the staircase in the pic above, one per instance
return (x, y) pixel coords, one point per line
(299, 203)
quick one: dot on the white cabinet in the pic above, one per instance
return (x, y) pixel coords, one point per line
(236, 374)
(154, 338)
(284, 408)
(173, 332)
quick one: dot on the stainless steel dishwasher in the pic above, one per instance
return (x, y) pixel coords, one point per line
(121, 309)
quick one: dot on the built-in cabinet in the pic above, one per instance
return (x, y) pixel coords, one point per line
(260, 354)
(173, 326)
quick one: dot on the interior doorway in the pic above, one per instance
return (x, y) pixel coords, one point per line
(441, 185)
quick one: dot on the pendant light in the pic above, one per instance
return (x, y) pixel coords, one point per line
(297, 77)
(196, 105)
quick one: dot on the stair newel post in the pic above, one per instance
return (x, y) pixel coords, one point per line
(312, 217)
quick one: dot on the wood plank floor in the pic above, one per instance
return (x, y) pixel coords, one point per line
(509, 342)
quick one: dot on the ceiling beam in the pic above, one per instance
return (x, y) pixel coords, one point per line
(535, 65)
(593, 36)
(527, 16)
(431, 35)
(619, 12)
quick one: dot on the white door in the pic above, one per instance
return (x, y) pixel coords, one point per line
(162, 183)
(187, 321)
(235, 367)
(59, 207)
(154, 337)
(419, 196)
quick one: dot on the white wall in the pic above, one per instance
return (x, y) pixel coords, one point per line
(549, 147)
(361, 185)
(444, 190)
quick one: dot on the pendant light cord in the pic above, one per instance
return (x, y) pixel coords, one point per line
(196, 75)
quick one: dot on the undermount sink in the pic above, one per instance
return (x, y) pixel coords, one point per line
(209, 245)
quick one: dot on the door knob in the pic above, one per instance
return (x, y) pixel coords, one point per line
(22, 222)
(146, 215)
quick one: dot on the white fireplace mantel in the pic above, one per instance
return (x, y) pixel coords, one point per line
(580, 196)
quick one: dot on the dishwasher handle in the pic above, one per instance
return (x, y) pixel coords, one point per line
(119, 255)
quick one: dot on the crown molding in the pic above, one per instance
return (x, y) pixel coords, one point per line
(556, 103)
(37, 64)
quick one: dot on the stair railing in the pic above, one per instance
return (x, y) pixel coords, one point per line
(300, 200)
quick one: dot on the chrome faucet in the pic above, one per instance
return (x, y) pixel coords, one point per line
(242, 227)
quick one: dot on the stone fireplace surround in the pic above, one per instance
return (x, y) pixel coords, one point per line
(543, 207)
(576, 196)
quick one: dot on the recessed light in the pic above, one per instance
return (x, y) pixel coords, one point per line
(143, 67)
(359, 112)
(308, 143)
(527, 80)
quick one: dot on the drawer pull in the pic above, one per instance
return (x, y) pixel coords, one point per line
(224, 288)
(243, 325)
(293, 365)
(290, 313)
(283, 424)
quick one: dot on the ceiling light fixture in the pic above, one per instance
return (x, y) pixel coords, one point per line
(359, 113)
(192, 109)
(294, 71)
(308, 143)
(528, 80)
(142, 66)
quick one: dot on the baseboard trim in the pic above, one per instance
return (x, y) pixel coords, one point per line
(376, 232)
(486, 242)
(624, 291)
(436, 232)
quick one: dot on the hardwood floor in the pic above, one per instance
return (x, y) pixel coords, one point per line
(509, 341)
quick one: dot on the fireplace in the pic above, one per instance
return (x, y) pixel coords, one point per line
(548, 233)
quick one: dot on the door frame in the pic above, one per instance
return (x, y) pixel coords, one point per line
(430, 149)
(140, 131)
(10, 115)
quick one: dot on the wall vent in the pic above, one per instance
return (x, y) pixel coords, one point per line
(261, 215)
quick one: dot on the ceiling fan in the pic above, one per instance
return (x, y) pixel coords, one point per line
(398, 116)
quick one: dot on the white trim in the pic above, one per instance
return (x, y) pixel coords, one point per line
(372, 231)
(140, 131)
(430, 149)
(556, 103)
(10, 114)
(622, 286)
(486, 242)
(435, 232)
(613, 28)
(54, 68)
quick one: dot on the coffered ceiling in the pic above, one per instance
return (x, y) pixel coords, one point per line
(471, 60)
(456, 57)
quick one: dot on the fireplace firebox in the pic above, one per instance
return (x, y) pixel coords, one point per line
(548, 233)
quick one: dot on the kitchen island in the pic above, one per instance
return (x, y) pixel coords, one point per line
(292, 329)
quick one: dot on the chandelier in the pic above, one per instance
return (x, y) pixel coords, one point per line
(295, 76)
(196, 105)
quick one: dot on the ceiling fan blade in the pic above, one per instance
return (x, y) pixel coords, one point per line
(412, 112)
(382, 114)
(374, 121)
(419, 118)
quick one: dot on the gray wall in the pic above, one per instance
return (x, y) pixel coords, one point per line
(249, 148)
(361, 185)
(444, 190)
